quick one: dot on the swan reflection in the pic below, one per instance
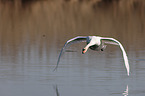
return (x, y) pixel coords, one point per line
(125, 93)
(56, 90)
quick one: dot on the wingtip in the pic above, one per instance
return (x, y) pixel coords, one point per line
(56, 66)
(128, 74)
(54, 69)
(128, 71)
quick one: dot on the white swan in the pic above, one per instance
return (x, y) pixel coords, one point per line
(96, 43)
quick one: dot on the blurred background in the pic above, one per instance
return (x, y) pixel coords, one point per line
(32, 33)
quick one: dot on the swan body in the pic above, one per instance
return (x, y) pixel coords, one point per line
(95, 43)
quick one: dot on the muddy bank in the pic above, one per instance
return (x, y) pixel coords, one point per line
(130, 3)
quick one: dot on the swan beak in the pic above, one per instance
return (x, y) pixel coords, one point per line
(83, 51)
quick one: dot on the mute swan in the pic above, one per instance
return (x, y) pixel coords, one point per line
(96, 43)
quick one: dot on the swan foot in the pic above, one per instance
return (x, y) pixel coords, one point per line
(103, 47)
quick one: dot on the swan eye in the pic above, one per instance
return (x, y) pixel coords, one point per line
(83, 49)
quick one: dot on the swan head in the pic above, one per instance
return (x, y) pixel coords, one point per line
(84, 51)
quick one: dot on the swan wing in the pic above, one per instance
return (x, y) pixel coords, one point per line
(116, 42)
(68, 43)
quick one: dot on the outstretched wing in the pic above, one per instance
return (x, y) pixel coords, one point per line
(68, 43)
(115, 42)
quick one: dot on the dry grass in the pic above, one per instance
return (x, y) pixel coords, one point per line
(123, 20)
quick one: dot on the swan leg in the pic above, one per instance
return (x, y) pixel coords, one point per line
(103, 47)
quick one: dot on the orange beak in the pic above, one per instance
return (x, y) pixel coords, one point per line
(83, 51)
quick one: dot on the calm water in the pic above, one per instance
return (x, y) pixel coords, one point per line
(32, 36)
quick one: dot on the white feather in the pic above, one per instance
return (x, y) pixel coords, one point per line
(98, 42)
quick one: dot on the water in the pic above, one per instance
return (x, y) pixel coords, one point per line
(32, 36)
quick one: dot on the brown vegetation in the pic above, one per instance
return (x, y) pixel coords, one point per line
(52, 20)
